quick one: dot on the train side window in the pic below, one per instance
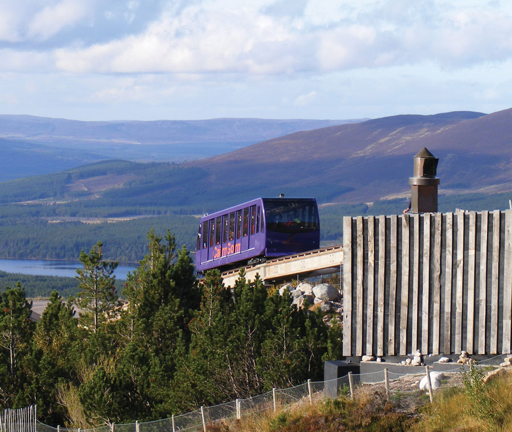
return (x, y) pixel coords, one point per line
(246, 221)
(212, 232)
(239, 224)
(225, 226)
(218, 227)
(231, 226)
(258, 218)
(199, 235)
(262, 221)
(205, 234)
(253, 219)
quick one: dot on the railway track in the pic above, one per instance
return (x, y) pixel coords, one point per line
(319, 261)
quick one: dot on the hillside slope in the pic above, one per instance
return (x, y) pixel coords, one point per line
(348, 164)
(373, 159)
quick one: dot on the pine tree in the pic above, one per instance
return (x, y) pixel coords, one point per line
(97, 299)
(16, 329)
(57, 348)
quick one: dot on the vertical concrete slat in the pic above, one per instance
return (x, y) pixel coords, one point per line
(448, 277)
(415, 282)
(470, 317)
(347, 286)
(359, 286)
(507, 283)
(371, 285)
(496, 229)
(436, 324)
(460, 282)
(404, 304)
(425, 315)
(392, 284)
(381, 285)
(482, 299)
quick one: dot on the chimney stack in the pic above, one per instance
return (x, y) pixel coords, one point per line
(424, 184)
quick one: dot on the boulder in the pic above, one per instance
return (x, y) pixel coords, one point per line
(298, 301)
(285, 288)
(326, 307)
(367, 358)
(326, 292)
(417, 360)
(305, 288)
(435, 380)
(497, 373)
(463, 358)
(296, 293)
(444, 360)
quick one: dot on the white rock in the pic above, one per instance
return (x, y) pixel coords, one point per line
(408, 362)
(298, 301)
(464, 358)
(305, 288)
(444, 360)
(435, 380)
(326, 307)
(285, 288)
(296, 293)
(326, 292)
(317, 300)
(367, 358)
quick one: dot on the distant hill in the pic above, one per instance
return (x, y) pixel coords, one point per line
(350, 163)
(374, 159)
(68, 143)
(23, 159)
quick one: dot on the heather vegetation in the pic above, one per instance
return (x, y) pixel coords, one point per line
(475, 405)
(176, 345)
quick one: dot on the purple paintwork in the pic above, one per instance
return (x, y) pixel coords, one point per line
(263, 227)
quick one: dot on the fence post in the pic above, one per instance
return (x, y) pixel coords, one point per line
(113, 427)
(237, 409)
(274, 399)
(204, 421)
(137, 426)
(309, 392)
(173, 424)
(351, 385)
(386, 379)
(429, 384)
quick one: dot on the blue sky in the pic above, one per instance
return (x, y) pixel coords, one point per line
(202, 59)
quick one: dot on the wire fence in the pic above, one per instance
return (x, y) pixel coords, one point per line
(398, 386)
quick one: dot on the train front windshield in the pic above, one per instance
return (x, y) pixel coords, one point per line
(293, 216)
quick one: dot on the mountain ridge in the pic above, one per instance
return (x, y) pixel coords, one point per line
(352, 163)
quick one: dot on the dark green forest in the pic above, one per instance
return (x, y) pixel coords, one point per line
(176, 345)
(62, 232)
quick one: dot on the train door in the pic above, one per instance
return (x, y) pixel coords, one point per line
(253, 228)
(238, 239)
(202, 242)
(225, 229)
(245, 229)
(217, 246)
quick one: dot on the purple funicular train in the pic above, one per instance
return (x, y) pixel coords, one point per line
(257, 229)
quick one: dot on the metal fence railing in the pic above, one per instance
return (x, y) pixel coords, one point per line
(392, 384)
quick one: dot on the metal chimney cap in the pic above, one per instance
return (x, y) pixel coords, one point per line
(424, 154)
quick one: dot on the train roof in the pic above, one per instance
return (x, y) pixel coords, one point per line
(251, 202)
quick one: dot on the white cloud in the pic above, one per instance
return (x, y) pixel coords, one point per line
(306, 99)
(223, 36)
(53, 18)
